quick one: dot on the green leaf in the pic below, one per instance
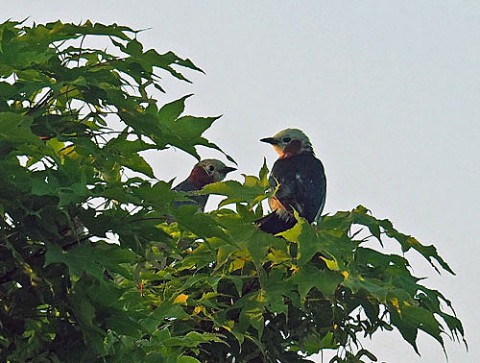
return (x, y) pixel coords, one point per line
(187, 359)
(134, 48)
(16, 128)
(172, 111)
(305, 236)
(252, 306)
(92, 259)
(423, 320)
(249, 192)
(252, 191)
(137, 163)
(309, 277)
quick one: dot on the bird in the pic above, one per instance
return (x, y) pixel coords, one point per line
(204, 172)
(299, 180)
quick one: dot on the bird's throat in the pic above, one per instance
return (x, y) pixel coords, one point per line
(199, 177)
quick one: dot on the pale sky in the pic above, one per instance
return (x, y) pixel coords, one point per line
(388, 91)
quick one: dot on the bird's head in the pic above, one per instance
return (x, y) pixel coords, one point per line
(289, 142)
(209, 171)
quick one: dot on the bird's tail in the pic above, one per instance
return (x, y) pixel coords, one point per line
(275, 223)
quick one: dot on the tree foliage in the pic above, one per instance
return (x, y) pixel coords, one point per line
(180, 286)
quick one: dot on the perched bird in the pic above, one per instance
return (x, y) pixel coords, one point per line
(204, 172)
(299, 179)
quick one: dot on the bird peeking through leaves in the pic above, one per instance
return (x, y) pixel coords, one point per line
(299, 179)
(204, 172)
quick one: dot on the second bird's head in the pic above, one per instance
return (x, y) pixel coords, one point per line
(209, 171)
(289, 142)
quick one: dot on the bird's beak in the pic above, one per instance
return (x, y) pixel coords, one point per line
(270, 140)
(227, 169)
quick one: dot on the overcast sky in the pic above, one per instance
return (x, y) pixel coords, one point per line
(388, 91)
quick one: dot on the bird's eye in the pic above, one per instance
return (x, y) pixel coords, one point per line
(286, 139)
(211, 168)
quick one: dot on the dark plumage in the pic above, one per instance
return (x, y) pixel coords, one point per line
(204, 172)
(301, 182)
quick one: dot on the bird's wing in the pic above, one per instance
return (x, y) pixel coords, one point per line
(311, 189)
(302, 184)
(187, 186)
